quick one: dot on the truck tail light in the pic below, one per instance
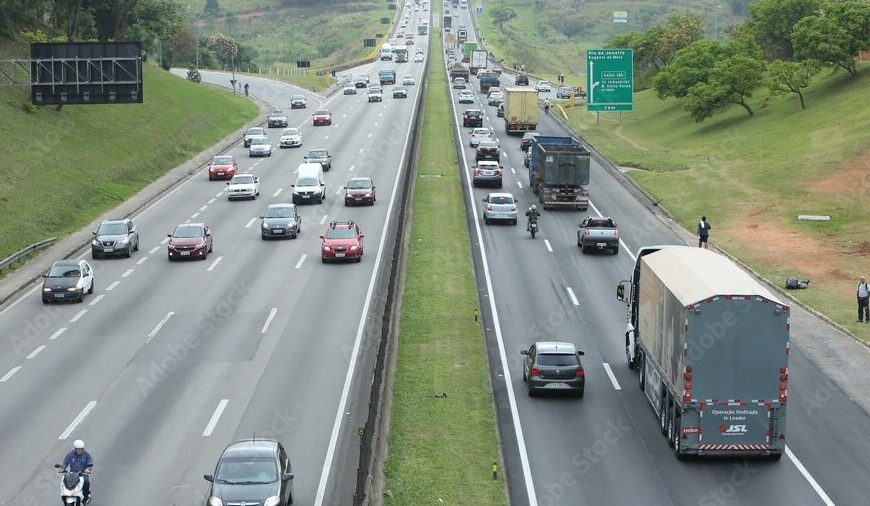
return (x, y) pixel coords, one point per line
(687, 376)
(783, 397)
(514, 207)
(784, 377)
(489, 207)
(534, 372)
(580, 373)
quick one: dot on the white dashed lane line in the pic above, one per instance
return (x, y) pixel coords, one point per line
(97, 299)
(78, 315)
(211, 201)
(214, 264)
(141, 260)
(272, 314)
(9, 374)
(278, 192)
(112, 286)
(513, 170)
(127, 273)
(159, 326)
(251, 222)
(154, 249)
(35, 352)
(193, 216)
(351, 168)
(611, 376)
(547, 244)
(326, 137)
(79, 419)
(57, 333)
(203, 208)
(323, 220)
(301, 260)
(361, 150)
(573, 297)
(370, 135)
(222, 405)
(519, 184)
(218, 195)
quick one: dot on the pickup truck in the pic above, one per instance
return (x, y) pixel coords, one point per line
(387, 77)
(598, 233)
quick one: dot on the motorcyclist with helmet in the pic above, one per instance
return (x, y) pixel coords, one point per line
(533, 215)
(79, 461)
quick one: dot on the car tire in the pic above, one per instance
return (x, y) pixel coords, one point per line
(137, 245)
(531, 392)
(663, 413)
(295, 235)
(671, 428)
(581, 392)
(485, 220)
(323, 260)
(616, 250)
(91, 289)
(44, 301)
(169, 257)
(514, 223)
(94, 256)
(263, 237)
(675, 442)
(583, 248)
(129, 252)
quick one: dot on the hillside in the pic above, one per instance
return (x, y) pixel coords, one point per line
(63, 169)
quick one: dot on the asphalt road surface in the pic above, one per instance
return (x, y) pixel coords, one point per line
(607, 447)
(167, 363)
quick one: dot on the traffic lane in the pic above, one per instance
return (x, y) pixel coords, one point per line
(277, 93)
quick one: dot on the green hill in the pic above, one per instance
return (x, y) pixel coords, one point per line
(63, 169)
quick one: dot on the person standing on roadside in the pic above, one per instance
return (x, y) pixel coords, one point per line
(863, 293)
(703, 232)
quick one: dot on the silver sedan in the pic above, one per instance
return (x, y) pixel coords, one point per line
(500, 207)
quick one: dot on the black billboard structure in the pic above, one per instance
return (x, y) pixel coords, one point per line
(86, 73)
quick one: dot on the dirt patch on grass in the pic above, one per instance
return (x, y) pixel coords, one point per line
(619, 133)
(852, 178)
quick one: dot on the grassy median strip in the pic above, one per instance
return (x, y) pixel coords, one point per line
(63, 169)
(443, 435)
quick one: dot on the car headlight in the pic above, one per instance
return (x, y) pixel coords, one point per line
(265, 225)
(354, 247)
(326, 248)
(272, 501)
(215, 501)
(72, 289)
(95, 242)
(46, 289)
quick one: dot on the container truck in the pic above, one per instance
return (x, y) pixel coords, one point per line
(711, 345)
(559, 172)
(478, 60)
(448, 22)
(520, 110)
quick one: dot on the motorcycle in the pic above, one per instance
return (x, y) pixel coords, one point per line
(533, 228)
(72, 488)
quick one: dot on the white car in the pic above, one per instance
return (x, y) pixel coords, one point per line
(418, 58)
(243, 186)
(543, 87)
(260, 146)
(408, 80)
(495, 98)
(466, 97)
(479, 134)
(350, 89)
(67, 280)
(459, 83)
(291, 138)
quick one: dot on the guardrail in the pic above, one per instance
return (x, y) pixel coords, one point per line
(23, 252)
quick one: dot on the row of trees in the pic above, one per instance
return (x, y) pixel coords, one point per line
(781, 45)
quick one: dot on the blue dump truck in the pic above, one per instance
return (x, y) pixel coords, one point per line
(387, 77)
(559, 172)
(710, 344)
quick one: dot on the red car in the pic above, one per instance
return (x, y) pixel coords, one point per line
(190, 240)
(322, 118)
(342, 241)
(359, 190)
(222, 167)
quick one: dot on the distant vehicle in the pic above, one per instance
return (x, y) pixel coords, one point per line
(297, 102)
(459, 83)
(260, 146)
(400, 92)
(472, 118)
(387, 77)
(459, 70)
(386, 52)
(526, 141)
(520, 110)
(243, 186)
(290, 138)
(223, 167)
(280, 220)
(190, 240)
(310, 186)
(408, 80)
(277, 118)
(361, 82)
(320, 156)
(495, 98)
(422, 29)
(488, 81)
(358, 191)
(375, 94)
(550, 366)
(500, 207)
(115, 238)
(566, 92)
(418, 58)
(401, 53)
(350, 89)
(487, 150)
(487, 173)
(257, 470)
(321, 118)
(67, 280)
(466, 97)
(500, 111)
(253, 132)
(479, 134)
(543, 87)
(598, 233)
(521, 80)
(343, 240)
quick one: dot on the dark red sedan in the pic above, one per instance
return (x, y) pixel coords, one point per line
(190, 240)
(342, 241)
(222, 167)
(359, 191)
(321, 118)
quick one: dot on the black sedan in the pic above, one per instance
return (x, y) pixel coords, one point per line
(252, 472)
(281, 220)
(487, 150)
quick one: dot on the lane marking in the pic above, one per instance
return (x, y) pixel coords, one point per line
(827, 500)
(57, 333)
(203, 208)
(98, 298)
(159, 326)
(370, 135)
(351, 168)
(611, 376)
(78, 315)
(211, 201)
(219, 410)
(127, 273)
(112, 286)
(251, 222)
(214, 264)
(165, 240)
(323, 220)
(343, 116)
(301, 259)
(547, 244)
(361, 150)
(272, 314)
(326, 137)
(513, 170)
(519, 184)
(376, 123)
(278, 192)
(193, 216)
(338, 190)
(141, 261)
(9, 374)
(79, 419)
(219, 195)
(154, 249)
(35, 352)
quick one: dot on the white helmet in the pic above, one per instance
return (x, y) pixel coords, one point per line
(78, 444)
(534, 207)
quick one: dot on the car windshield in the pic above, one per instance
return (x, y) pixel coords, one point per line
(260, 141)
(242, 179)
(501, 199)
(277, 113)
(247, 471)
(359, 184)
(557, 359)
(479, 132)
(222, 160)
(307, 181)
(279, 212)
(297, 97)
(255, 131)
(187, 232)
(322, 113)
(317, 153)
(290, 131)
(112, 229)
(340, 233)
(488, 144)
(64, 271)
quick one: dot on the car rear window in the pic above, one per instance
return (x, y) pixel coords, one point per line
(557, 359)
(340, 233)
(222, 160)
(243, 179)
(317, 153)
(501, 200)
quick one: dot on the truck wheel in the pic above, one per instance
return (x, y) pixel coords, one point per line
(616, 250)
(642, 380)
(672, 430)
(663, 413)
(773, 457)
(676, 441)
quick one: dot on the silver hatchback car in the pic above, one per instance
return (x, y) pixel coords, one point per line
(500, 207)
(553, 366)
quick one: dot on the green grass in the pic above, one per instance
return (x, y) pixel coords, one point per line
(763, 171)
(441, 449)
(62, 169)
(307, 81)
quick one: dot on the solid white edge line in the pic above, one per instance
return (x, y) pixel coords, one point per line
(512, 401)
(214, 264)
(547, 244)
(218, 411)
(248, 225)
(159, 326)
(112, 286)
(78, 315)
(79, 419)
(345, 391)
(573, 297)
(611, 376)
(323, 220)
(98, 298)
(272, 314)
(301, 259)
(57, 333)
(806, 474)
(154, 250)
(9, 374)
(35, 352)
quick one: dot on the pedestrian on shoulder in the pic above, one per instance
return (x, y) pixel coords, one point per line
(703, 232)
(863, 293)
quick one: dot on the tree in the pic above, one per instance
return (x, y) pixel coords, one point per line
(731, 81)
(691, 66)
(501, 14)
(680, 31)
(224, 48)
(790, 77)
(212, 8)
(821, 38)
(772, 22)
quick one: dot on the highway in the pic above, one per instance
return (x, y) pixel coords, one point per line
(167, 363)
(607, 447)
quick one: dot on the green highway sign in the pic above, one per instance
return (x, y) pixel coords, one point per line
(609, 80)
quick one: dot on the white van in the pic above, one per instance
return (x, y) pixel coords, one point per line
(386, 52)
(310, 186)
